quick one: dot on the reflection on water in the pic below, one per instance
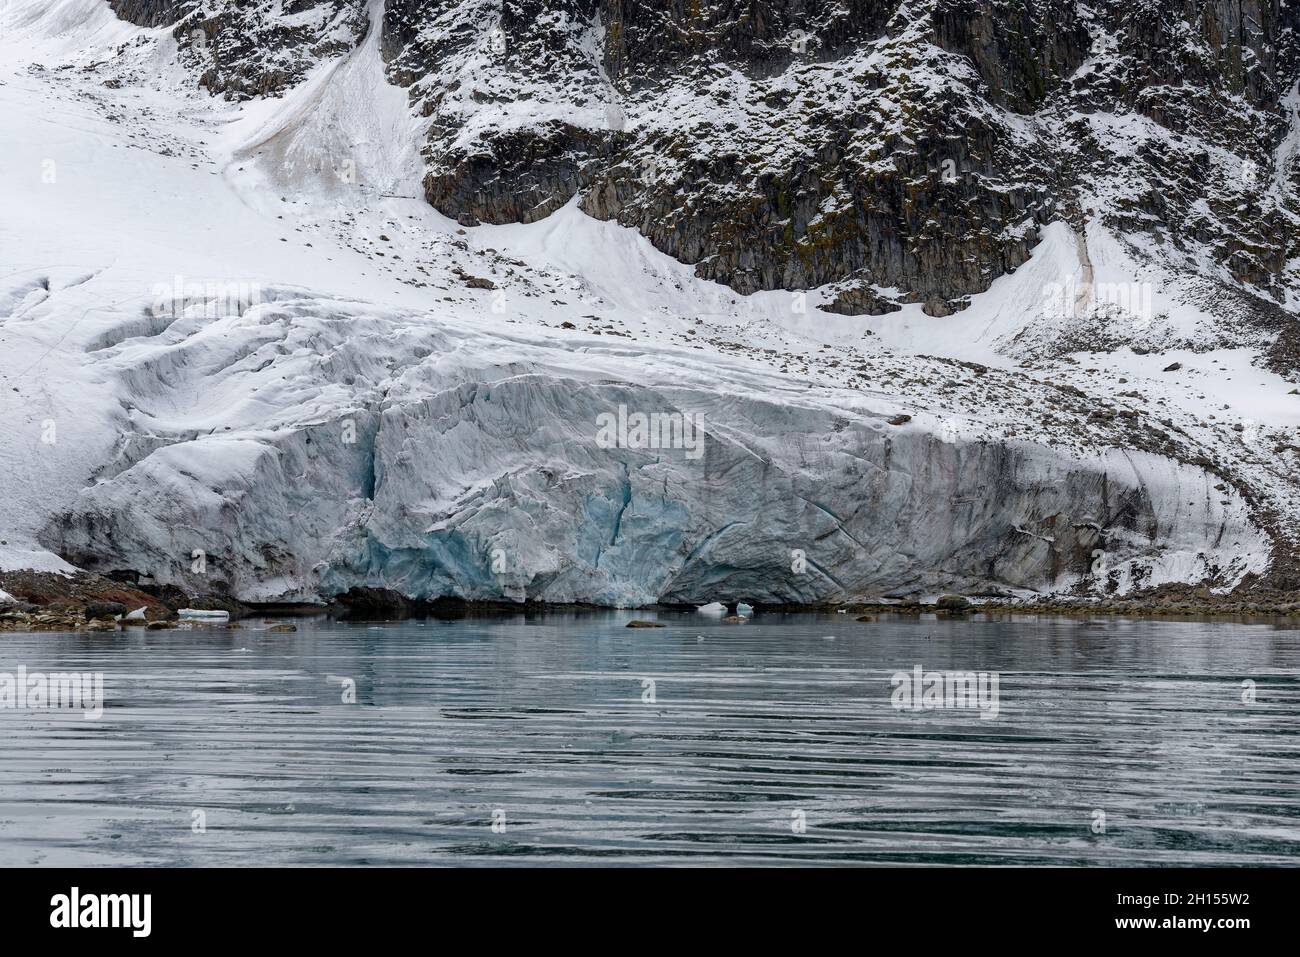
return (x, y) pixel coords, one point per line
(1116, 742)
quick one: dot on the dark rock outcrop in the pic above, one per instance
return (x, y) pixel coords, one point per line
(247, 48)
(906, 150)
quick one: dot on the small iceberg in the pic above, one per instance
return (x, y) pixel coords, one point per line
(203, 614)
(718, 609)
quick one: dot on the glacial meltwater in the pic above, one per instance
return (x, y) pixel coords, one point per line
(570, 738)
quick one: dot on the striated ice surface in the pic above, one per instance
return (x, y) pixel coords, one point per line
(388, 451)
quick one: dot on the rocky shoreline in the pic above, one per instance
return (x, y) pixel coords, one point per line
(84, 601)
(47, 601)
(1167, 601)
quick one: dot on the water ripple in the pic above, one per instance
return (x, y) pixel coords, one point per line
(761, 744)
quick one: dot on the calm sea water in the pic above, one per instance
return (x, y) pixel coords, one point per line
(535, 741)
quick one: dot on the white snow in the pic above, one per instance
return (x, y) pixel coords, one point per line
(310, 206)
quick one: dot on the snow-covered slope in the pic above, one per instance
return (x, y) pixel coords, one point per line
(239, 352)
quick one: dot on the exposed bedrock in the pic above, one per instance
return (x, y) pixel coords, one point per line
(907, 150)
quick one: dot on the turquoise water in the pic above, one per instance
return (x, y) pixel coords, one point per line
(535, 741)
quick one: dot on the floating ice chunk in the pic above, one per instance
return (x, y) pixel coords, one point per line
(203, 614)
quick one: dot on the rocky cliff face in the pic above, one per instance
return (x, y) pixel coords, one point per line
(903, 150)
(771, 145)
(1180, 127)
(908, 151)
(246, 48)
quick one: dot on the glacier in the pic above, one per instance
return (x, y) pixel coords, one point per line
(399, 401)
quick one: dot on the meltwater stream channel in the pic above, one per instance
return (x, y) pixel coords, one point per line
(570, 738)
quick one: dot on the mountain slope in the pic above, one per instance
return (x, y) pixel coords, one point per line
(262, 343)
